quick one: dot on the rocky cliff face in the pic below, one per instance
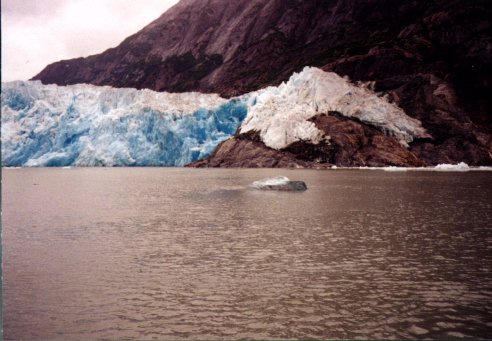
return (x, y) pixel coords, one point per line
(352, 144)
(432, 58)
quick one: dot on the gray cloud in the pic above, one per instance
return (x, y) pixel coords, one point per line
(36, 33)
(28, 8)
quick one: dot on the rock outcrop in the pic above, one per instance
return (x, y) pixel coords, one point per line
(351, 144)
(432, 58)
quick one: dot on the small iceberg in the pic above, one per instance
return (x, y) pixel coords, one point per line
(460, 167)
(395, 169)
(279, 183)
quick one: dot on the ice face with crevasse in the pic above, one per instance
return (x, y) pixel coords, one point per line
(87, 125)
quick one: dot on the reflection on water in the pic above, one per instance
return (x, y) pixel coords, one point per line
(184, 253)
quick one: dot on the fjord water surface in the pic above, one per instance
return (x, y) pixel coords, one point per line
(173, 253)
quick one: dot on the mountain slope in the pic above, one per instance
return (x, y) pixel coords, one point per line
(432, 58)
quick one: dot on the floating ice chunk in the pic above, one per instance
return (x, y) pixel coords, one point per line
(281, 183)
(395, 169)
(279, 180)
(460, 167)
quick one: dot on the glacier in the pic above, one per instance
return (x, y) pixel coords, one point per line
(281, 114)
(87, 125)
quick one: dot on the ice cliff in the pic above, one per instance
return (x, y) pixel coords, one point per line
(87, 125)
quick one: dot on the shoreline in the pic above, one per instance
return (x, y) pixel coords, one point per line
(438, 168)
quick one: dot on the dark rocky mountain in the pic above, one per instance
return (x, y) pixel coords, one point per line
(433, 58)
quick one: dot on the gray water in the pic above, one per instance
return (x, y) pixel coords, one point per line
(156, 253)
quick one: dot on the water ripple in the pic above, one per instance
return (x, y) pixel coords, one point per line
(193, 254)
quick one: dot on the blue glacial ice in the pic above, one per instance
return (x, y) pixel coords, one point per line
(85, 125)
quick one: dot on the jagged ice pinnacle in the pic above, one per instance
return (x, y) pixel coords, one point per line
(281, 114)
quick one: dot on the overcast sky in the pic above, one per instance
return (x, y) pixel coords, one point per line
(36, 33)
